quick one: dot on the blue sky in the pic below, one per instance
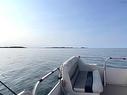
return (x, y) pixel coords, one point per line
(90, 23)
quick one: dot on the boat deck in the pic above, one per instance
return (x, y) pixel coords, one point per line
(115, 90)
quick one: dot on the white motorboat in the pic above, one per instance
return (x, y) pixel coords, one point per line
(78, 78)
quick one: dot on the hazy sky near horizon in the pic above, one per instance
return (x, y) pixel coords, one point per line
(91, 23)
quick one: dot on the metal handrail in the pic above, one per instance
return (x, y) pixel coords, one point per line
(8, 88)
(123, 58)
(42, 79)
(105, 65)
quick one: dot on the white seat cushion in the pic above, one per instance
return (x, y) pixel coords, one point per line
(97, 83)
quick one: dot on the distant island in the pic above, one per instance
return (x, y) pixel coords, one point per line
(65, 47)
(83, 47)
(14, 47)
(58, 47)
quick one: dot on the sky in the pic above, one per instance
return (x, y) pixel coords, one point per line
(42, 23)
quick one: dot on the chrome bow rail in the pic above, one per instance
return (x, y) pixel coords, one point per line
(43, 78)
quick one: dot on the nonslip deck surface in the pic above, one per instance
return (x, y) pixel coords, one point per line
(115, 90)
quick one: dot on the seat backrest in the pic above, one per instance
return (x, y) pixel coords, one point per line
(68, 71)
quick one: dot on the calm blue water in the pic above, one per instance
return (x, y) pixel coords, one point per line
(20, 68)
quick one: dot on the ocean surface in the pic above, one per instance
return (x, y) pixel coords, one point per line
(21, 68)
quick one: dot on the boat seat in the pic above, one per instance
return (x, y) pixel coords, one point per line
(88, 82)
(76, 81)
